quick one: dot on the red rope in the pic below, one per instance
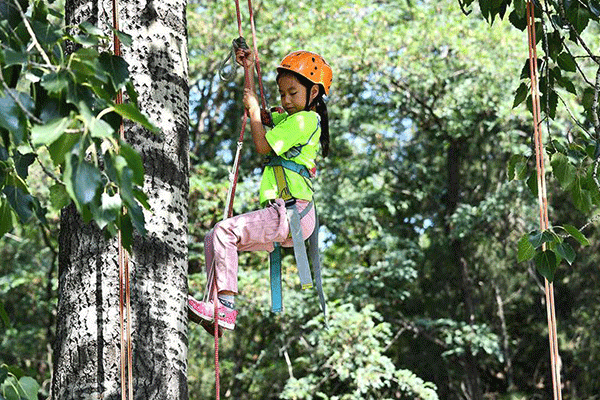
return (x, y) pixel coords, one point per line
(236, 166)
(123, 259)
(542, 197)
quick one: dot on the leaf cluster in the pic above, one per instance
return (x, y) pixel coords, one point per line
(58, 96)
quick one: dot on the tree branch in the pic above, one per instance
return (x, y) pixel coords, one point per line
(32, 34)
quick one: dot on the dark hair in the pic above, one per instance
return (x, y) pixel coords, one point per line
(318, 103)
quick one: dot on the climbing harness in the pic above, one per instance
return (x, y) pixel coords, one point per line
(280, 165)
(126, 366)
(542, 197)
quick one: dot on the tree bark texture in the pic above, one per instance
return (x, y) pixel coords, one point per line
(87, 349)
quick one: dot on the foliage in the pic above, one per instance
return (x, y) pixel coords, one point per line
(64, 103)
(567, 31)
(13, 387)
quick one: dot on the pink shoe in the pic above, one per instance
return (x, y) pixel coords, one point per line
(206, 310)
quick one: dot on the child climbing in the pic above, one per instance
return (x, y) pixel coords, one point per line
(288, 216)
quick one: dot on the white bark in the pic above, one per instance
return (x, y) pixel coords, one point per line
(87, 349)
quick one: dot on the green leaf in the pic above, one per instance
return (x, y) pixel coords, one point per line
(101, 129)
(90, 28)
(576, 234)
(109, 211)
(50, 132)
(47, 34)
(6, 216)
(86, 182)
(137, 218)
(59, 198)
(29, 388)
(582, 198)
(579, 17)
(22, 203)
(22, 163)
(55, 82)
(532, 183)
(134, 162)
(86, 66)
(116, 68)
(131, 112)
(12, 117)
(546, 263)
(537, 238)
(520, 94)
(563, 170)
(126, 231)
(12, 57)
(525, 250)
(518, 21)
(62, 146)
(568, 85)
(567, 62)
(126, 40)
(517, 167)
(565, 250)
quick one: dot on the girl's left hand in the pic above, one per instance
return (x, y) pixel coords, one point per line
(250, 101)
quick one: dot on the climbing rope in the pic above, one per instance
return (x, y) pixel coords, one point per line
(239, 43)
(542, 197)
(126, 366)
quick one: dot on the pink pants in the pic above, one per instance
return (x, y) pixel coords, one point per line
(253, 231)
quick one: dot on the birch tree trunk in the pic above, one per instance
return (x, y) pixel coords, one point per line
(87, 349)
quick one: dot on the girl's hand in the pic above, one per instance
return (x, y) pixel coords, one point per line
(250, 101)
(244, 57)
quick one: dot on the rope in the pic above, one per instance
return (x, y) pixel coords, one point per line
(542, 197)
(123, 260)
(211, 286)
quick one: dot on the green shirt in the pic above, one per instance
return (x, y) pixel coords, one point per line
(294, 137)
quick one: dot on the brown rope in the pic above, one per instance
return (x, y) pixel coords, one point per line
(542, 196)
(124, 286)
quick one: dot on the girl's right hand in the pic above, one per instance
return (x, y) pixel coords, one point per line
(244, 57)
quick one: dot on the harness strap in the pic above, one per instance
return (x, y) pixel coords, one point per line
(299, 248)
(315, 260)
(275, 275)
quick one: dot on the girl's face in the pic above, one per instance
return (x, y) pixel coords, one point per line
(293, 93)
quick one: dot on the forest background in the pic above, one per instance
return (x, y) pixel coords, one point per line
(419, 210)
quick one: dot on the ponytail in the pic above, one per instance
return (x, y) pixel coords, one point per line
(321, 109)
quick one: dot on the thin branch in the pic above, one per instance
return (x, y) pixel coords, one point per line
(563, 16)
(32, 34)
(46, 171)
(595, 105)
(579, 124)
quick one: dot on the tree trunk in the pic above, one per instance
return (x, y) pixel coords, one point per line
(87, 348)
(472, 378)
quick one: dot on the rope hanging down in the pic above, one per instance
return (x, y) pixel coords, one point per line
(542, 197)
(211, 285)
(123, 260)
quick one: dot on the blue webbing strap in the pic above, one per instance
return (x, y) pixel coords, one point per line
(275, 272)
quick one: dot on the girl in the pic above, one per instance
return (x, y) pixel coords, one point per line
(303, 79)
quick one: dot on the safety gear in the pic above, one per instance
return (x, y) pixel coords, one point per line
(309, 65)
(280, 165)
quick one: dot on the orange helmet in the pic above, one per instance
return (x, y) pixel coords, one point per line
(310, 65)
